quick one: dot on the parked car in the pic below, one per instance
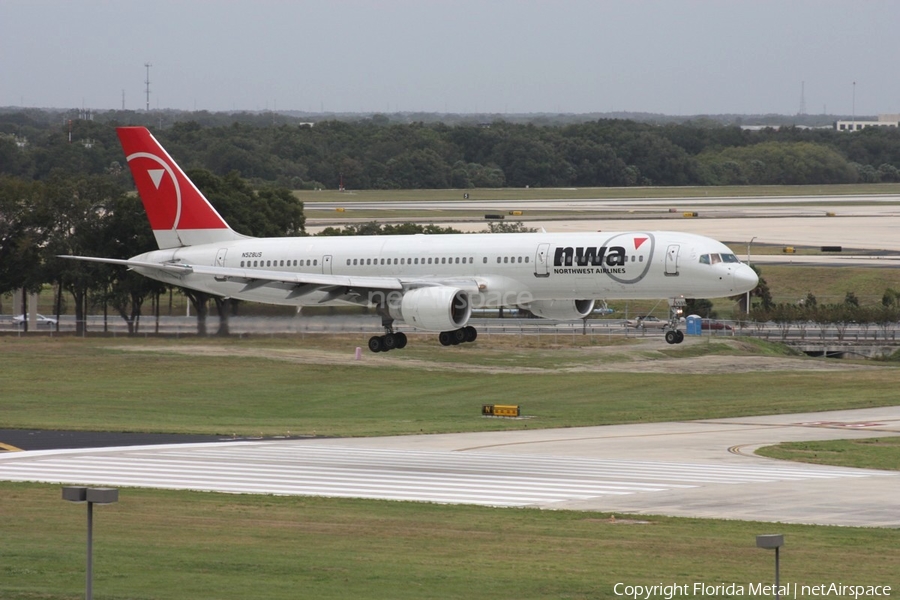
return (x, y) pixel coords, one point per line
(41, 320)
(715, 325)
(646, 322)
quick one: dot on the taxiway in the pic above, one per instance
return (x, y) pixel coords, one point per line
(692, 469)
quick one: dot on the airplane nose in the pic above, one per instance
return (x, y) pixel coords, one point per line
(745, 279)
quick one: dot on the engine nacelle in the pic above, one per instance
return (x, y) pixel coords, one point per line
(435, 308)
(561, 310)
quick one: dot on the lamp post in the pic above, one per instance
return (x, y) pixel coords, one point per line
(769, 542)
(91, 496)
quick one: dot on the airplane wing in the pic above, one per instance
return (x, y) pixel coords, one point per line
(256, 278)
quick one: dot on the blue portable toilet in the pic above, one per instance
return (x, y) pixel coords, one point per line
(694, 325)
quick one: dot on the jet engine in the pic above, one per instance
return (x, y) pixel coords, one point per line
(561, 310)
(435, 308)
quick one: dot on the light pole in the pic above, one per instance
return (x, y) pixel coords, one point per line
(769, 542)
(748, 264)
(91, 496)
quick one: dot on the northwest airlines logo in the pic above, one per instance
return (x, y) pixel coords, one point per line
(625, 258)
(161, 195)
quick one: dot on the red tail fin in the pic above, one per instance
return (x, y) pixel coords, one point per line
(179, 214)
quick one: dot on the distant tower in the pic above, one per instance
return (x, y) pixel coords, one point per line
(802, 98)
(148, 65)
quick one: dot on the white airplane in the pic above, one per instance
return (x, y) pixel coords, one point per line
(430, 282)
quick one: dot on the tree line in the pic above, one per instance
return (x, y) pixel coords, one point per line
(96, 215)
(376, 153)
(809, 317)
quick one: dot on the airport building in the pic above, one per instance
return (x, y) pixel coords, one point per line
(883, 121)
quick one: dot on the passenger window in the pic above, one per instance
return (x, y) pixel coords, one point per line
(315, 261)
(354, 262)
(498, 260)
(520, 259)
(505, 259)
(526, 259)
(443, 260)
(641, 258)
(242, 263)
(485, 260)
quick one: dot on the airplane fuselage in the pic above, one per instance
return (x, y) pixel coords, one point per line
(507, 269)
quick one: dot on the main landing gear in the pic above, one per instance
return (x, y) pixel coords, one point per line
(458, 336)
(397, 339)
(388, 341)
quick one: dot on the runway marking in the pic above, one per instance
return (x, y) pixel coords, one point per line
(745, 427)
(9, 448)
(739, 450)
(298, 468)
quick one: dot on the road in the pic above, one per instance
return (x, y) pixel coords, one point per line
(691, 469)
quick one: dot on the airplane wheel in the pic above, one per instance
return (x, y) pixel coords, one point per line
(401, 340)
(389, 341)
(471, 333)
(671, 337)
(459, 336)
(376, 344)
(445, 338)
(679, 337)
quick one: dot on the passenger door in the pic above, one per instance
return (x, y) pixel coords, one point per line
(541, 261)
(672, 260)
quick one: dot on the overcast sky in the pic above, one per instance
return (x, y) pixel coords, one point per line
(677, 57)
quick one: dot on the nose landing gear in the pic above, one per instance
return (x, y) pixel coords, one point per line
(676, 308)
(674, 336)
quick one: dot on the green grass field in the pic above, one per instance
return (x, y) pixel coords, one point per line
(870, 453)
(182, 545)
(312, 385)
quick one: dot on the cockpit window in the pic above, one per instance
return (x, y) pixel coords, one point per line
(712, 259)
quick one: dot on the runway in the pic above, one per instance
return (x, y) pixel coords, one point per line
(865, 222)
(697, 469)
